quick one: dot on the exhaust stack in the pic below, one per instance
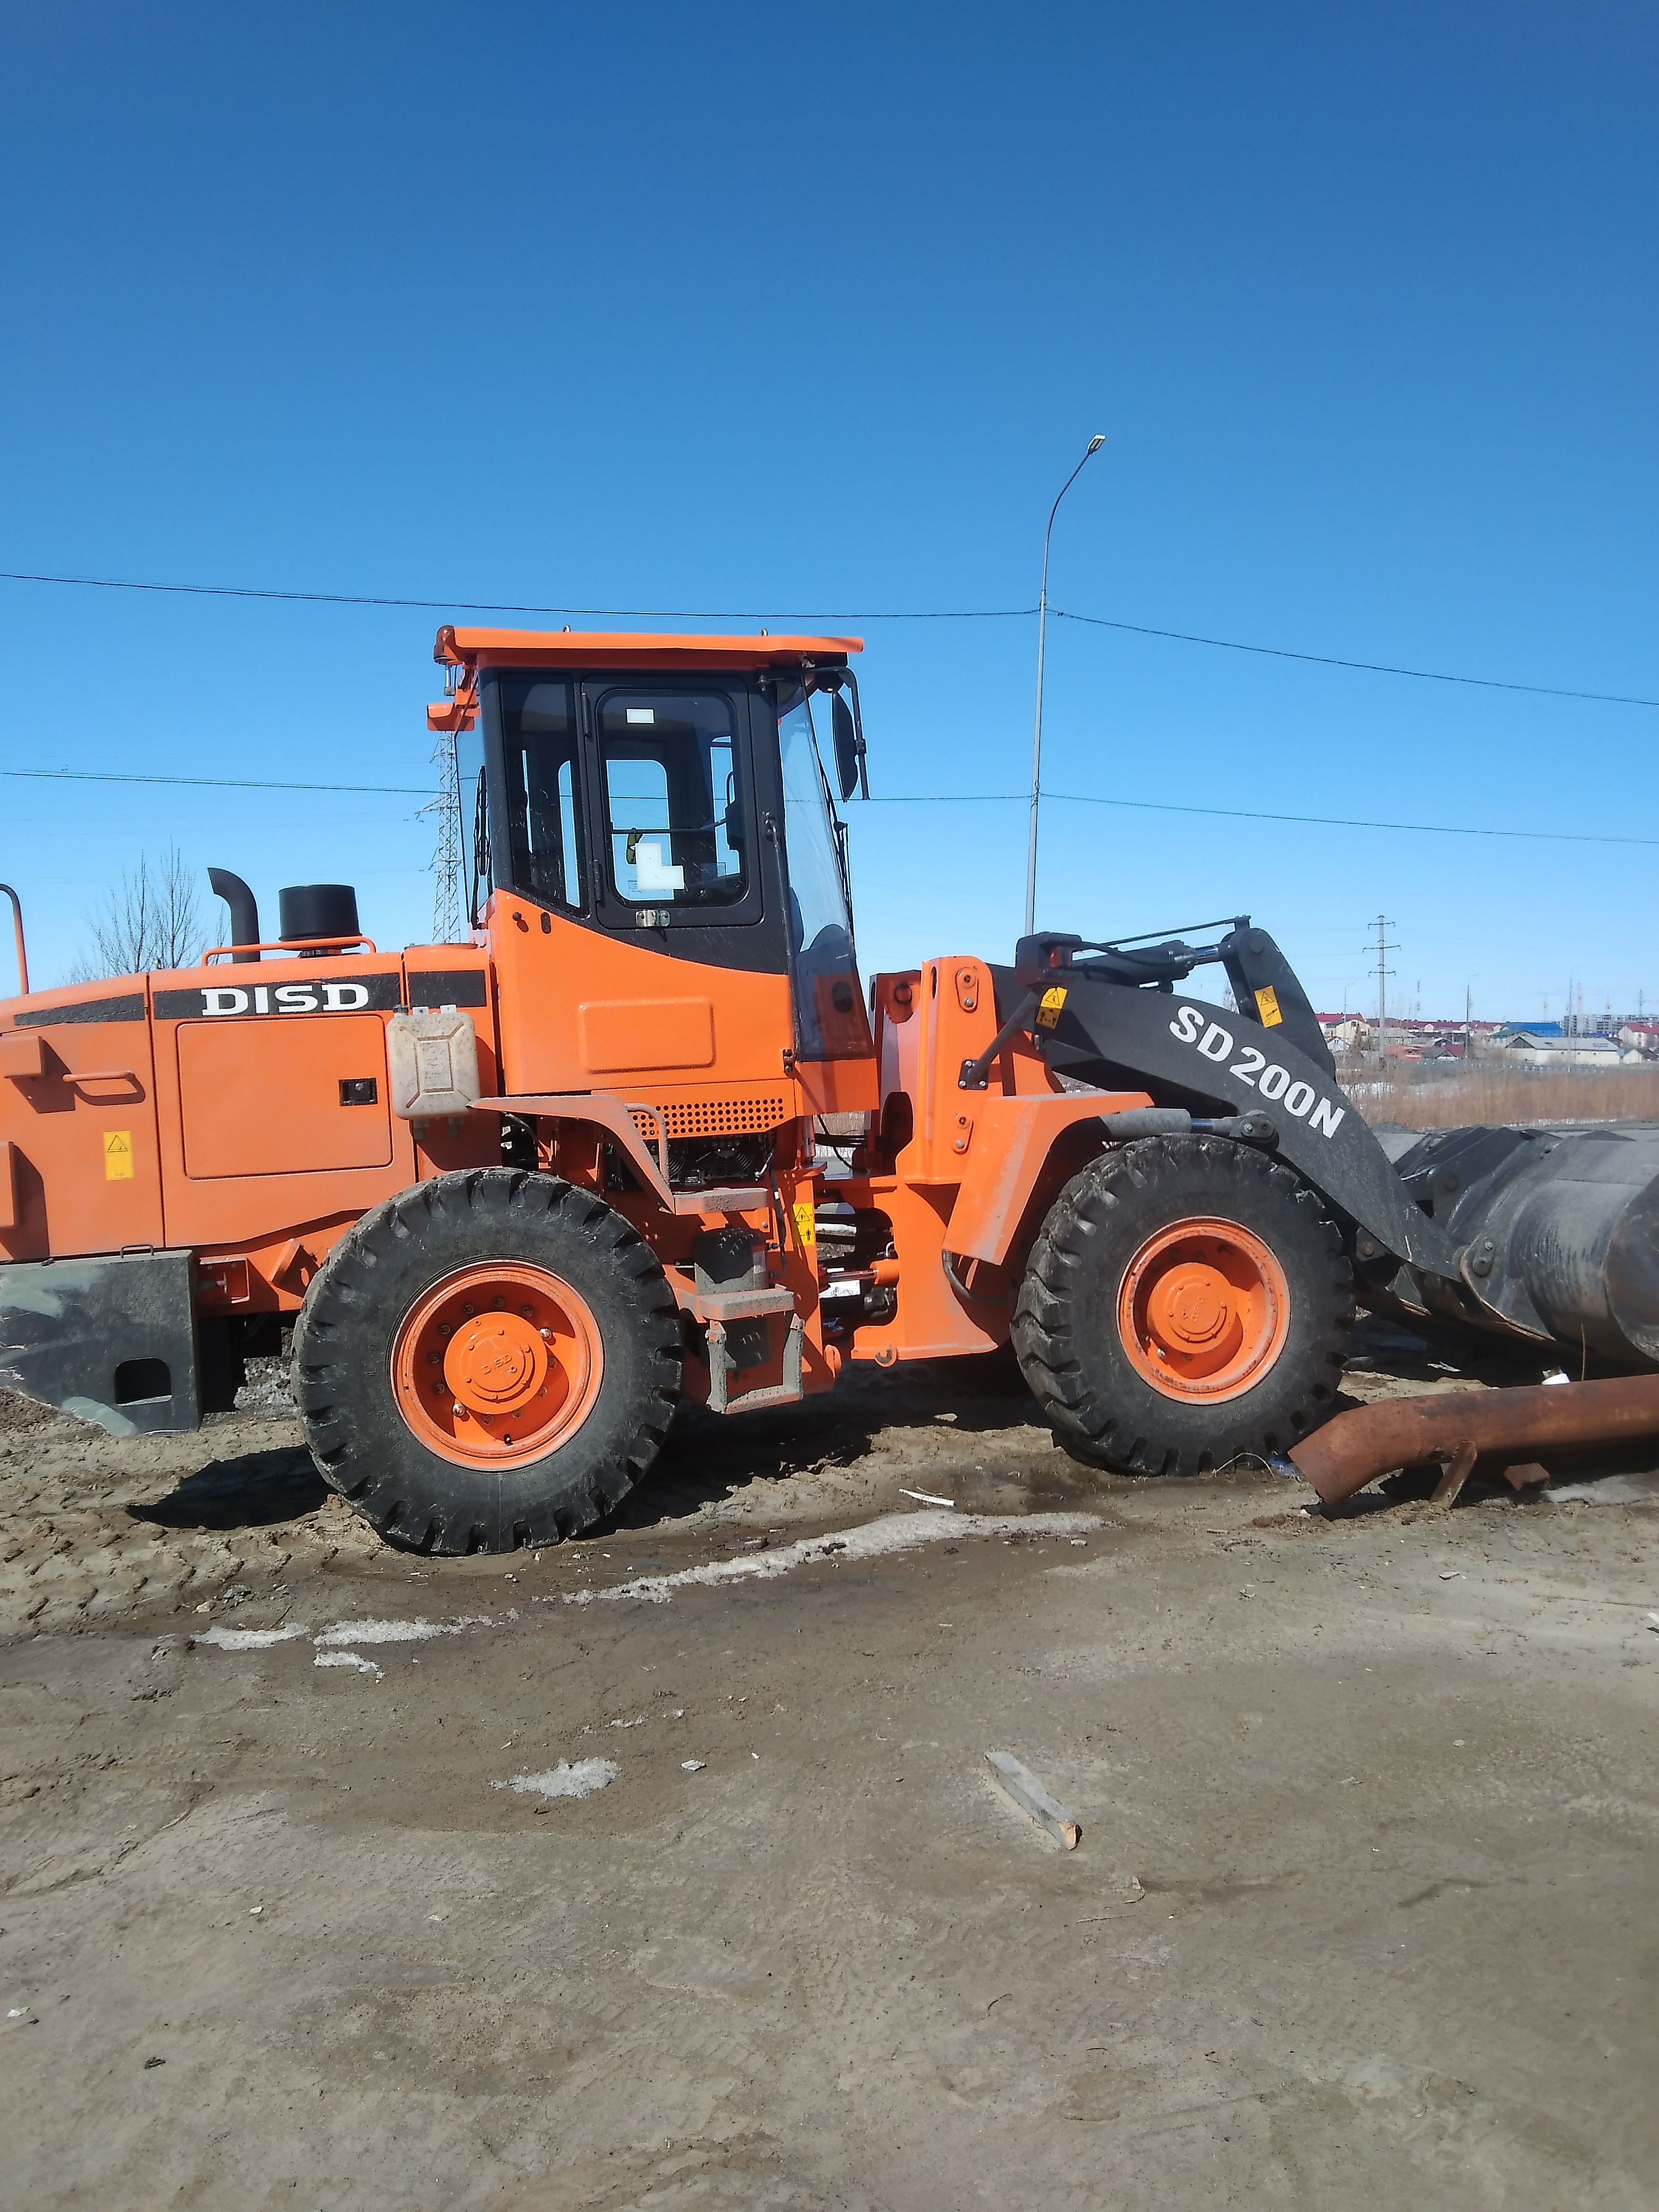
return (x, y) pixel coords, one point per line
(244, 910)
(22, 951)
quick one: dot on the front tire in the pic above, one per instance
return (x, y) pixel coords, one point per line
(1187, 1303)
(488, 1360)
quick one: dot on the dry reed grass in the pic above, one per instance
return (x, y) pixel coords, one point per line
(1483, 1093)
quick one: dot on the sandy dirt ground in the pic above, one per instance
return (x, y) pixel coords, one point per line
(1363, 1912)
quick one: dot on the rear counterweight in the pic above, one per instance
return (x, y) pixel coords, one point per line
(113, 1339)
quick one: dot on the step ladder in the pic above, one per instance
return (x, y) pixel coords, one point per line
(714, 1309)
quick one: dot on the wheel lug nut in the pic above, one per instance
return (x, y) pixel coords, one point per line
(459, 1410)
(546, 1335)
(525, 1312)
(469, 1310)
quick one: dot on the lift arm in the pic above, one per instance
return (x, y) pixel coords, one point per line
(1186, 1053)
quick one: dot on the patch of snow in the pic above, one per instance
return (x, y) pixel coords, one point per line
(873, 1539)
(396, 1631)
(250, 1639)
(692, 1765)
(1607, 1490)
(350, 1659)
(564, 1780)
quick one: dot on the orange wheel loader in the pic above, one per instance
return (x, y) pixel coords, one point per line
(507, 1202)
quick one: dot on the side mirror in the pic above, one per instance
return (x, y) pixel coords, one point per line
(850, 748)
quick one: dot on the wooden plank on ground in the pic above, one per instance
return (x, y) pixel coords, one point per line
(1029, 1794)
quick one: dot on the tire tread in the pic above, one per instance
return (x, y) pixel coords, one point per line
(341, 1366)
(1086, 1385)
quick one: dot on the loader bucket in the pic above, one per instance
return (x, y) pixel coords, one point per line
(1557, 1232)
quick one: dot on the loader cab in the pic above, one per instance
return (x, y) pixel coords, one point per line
(658, 816)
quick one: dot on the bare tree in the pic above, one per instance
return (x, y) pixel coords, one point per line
(151, 919)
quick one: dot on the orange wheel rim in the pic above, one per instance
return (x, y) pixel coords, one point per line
(1204, 1310)
(496, 1364)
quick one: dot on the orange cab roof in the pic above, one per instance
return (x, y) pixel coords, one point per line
(565, 649)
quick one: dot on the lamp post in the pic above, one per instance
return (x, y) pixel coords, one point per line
(1095, 445)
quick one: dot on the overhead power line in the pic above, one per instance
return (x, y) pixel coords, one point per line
(489, 606)
(1256, 814)
(211, 782)
(1372, 667)
(901, 799)
(729, 614)
(1350, 821)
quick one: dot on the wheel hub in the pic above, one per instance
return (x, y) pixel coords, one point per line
(497, 1364)
(1204, 1310)
(1190, 1306)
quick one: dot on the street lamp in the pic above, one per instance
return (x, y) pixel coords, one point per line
(1095, 445)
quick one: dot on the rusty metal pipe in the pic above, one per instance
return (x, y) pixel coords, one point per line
(1461, 1426)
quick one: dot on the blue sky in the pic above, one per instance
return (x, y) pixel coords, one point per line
(807, 314)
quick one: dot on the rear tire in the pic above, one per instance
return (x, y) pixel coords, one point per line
(488, 1360)
(1187, 1303)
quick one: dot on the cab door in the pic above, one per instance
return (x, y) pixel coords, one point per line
(637, 920)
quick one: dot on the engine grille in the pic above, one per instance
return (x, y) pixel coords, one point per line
(716, 1117)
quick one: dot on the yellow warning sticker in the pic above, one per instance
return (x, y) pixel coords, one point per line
(118, 1155)
(1267, 1004)
(806, 1224)
(1048, 1012)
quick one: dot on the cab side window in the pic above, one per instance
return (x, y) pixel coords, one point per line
(538, 734)
(669, 765)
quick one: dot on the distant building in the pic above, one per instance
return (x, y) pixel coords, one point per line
(1531, 1044)
(1346, 1032)
(1604, 1041)
(1409, 1037)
